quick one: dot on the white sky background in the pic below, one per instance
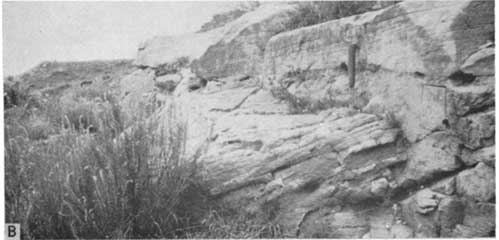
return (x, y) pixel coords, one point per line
(73, 31)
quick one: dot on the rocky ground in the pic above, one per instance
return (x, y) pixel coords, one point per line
(54, 79)
(409, 151)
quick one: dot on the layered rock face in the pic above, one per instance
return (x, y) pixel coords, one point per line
(407, 152)
(241, 49)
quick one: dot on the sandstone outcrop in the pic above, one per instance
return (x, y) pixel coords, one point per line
(164, 49)
(241, 48)
(407, 152)
(417, 43)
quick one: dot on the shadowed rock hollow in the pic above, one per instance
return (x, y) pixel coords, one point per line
(407, 152)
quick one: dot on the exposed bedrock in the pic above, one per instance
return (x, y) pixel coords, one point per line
(432, 38)
(409, 151)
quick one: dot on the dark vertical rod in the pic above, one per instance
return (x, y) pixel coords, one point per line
(351, 64)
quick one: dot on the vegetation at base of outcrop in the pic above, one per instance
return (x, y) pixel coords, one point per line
(229, 222)
(74, 170)
(311, 13)
(302, 104)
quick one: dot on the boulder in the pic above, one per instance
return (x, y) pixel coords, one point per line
(427, 201)
(424, 225)
(445, 186)
(480, 63)
(480, 217)
(486, 155)
(436, 154)
(432, 214)
(479, 221)
(477, 183)
(464, 100)
(450, 213)
(136, 93)
(379, 187)
(477, 130)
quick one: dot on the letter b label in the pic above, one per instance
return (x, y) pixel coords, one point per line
(12, 231)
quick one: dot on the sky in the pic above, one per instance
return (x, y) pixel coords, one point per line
(75, 31)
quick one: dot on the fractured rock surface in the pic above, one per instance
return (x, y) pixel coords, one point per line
(408, 152)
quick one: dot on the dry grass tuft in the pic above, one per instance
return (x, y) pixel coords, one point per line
(81, 185)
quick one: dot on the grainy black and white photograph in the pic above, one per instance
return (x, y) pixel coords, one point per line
(246, 119)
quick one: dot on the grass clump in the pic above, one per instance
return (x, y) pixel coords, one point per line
(304, 105)
(228, 222)
(311, 13)
(101, 186)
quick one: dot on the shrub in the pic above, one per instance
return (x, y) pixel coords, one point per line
(85, 110)
(297, 75)
(311, 13)
(98, 186)
(301, 105)
(18, 95)
(296, 104)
